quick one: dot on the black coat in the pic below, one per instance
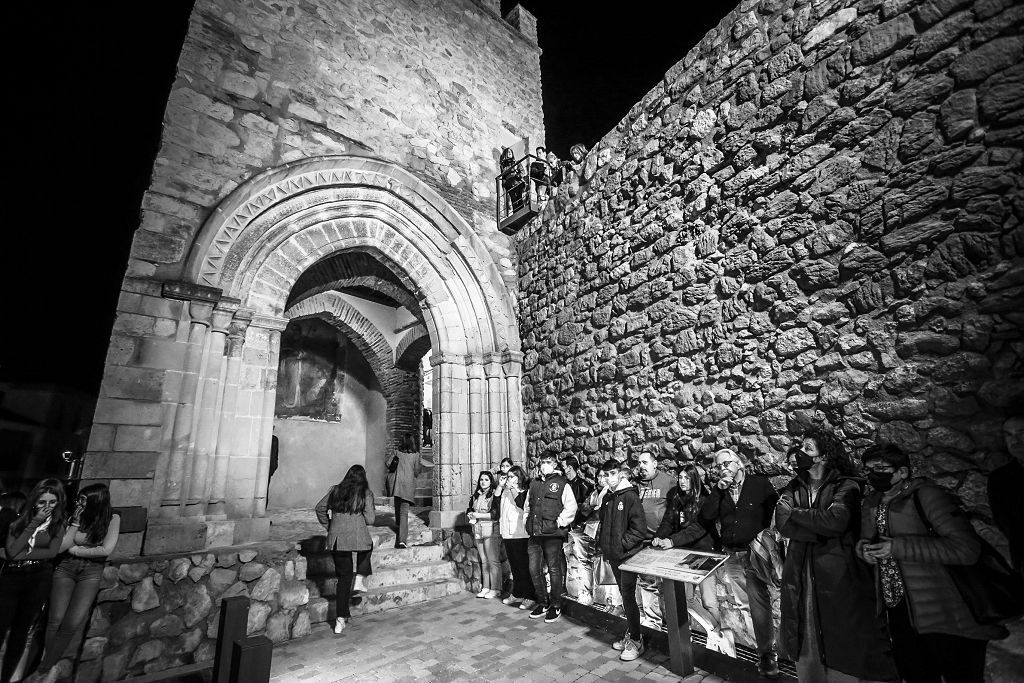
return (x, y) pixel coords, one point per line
(685, 530)
(623, 528)
(742, 521)
(852, 636)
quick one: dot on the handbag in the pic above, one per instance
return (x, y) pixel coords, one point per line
(603, 574)
(993, 592)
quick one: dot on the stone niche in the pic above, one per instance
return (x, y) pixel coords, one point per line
(815, 216)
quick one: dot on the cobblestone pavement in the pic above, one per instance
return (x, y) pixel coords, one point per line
(461, 638)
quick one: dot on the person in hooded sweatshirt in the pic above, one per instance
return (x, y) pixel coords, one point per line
(829, 625)
(621, 535)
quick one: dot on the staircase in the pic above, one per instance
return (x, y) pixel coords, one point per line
(425, 482)
(400, 577)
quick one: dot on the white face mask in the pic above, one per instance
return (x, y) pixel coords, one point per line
(546, 468)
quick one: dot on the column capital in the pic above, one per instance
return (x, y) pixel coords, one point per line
(474, 371)
(221, 320)
(269, 322)
(201, 312)
(443, 358)
(493, 369)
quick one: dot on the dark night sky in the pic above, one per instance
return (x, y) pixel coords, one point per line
(89, 83)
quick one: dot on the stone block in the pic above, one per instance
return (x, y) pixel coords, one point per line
(317, 610)
(129, 545)
(221, 579)
(144, 596)
(302, 625)
(137, 438)
(267, 587)
(258, 613)
(134, 383)
(197, 606)
(161, 353)
(128, 412)
(293, 594)
(279, 627)
(882, 40)
(164, 538)
(147, 651)
(167, 626)
(252, 571)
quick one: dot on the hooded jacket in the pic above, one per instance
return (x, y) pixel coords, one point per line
(934, 601)
(821, 565)
(623, 527)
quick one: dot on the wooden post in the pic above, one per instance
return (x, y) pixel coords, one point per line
(234, 622)
(250, 660)
(677, 619)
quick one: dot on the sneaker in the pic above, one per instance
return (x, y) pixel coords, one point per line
(401, 546)
(339, 625)
(491, 594)
(553, 614)
(359, 586)
(527, 604)
(632, 649)
(768, 665)
(484, 593)
(538, 611)
(620, 644)
(511, 600)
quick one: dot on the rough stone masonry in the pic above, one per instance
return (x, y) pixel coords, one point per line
(814, 216)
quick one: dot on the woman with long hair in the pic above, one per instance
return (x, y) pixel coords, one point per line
(91, 536)
(403, 468)
(347, 511)
(829, 626)
(512, 525)
(33, 540)
(482, 512)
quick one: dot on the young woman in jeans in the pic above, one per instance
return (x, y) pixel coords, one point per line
(482, 512)
(33, 540)
(512, 525)
(89, 540)
(347, 511)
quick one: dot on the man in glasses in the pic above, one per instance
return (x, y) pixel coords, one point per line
(742, 503)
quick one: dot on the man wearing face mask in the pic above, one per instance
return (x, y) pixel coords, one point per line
(742, 504)
(934, 635)
(550, 509)
(829, 625)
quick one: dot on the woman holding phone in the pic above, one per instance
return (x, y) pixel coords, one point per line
(33, 540)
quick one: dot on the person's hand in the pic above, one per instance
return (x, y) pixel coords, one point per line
(73, 550)
(725, 483)
(42, 514)
(879, 551)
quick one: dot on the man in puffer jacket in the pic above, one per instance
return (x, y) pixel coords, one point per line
(550, 509)
(621, 535)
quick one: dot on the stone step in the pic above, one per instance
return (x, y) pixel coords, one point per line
(322, 564)
(380, 599)
(384, 577)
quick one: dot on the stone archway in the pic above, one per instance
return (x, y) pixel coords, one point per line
(273, 228)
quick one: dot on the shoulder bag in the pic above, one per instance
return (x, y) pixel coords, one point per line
(993, 592)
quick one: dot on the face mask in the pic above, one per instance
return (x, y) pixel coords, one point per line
(880, 481)
(803, 461)
(546, 468)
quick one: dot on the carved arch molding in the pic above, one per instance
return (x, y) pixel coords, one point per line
(270, 230)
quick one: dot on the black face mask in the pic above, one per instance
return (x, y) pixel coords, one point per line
(880, 481)
(803, 461)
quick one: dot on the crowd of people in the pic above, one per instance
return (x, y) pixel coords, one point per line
(541, 178)
(859, 553)
(56, 542)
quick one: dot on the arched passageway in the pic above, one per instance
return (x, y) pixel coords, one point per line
(276, 248)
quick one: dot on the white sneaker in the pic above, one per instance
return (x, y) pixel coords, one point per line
(527, 604)
(359, 586)
(339, 625)
(491, 594)
(510, 600)
(484, 593)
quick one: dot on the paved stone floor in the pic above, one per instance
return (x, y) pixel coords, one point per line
(461, 638)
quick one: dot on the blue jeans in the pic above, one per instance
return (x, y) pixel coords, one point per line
(76, 581)
(547, 551)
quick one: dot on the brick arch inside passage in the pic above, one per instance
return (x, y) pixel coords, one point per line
(272, 229)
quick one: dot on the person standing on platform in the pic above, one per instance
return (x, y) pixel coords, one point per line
(406, 471)
(742, 504)
(829, 626)
(622, 532)
(347, 511)
(550, 509)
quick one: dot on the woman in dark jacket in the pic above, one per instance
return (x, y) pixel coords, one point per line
(933, 632)
(348, 511)
(829, 625)
(484, 508)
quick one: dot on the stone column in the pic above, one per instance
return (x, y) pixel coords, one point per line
(513, 365)
(497, 407)
(228, 433)
(479, 458)
(208, 406)
(452, 472)
(183, 430)
(265, 428)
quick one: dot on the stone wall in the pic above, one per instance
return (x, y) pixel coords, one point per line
(162, 613)
(814, 216)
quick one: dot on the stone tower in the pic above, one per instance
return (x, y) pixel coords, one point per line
(330, 165)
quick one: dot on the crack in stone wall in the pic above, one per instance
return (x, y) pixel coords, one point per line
(815, 216)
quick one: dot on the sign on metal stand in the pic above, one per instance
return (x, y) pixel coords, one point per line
(234, 622)
(250, 660)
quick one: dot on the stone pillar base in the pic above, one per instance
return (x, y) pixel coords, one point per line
(184, 536)
(446, 519)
